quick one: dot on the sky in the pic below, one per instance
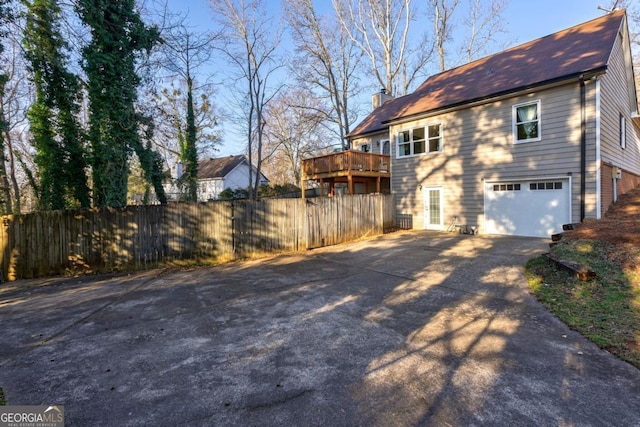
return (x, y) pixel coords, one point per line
(525, 20)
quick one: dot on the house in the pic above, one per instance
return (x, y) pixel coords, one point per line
(218, 174)
(518, 143)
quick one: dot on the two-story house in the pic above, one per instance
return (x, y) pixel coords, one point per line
(520, 142)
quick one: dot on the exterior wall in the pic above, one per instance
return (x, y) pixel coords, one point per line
(478, 145)
(628, 182)
(238, 177)
(209, 189)
(616, 99)
(376, 141)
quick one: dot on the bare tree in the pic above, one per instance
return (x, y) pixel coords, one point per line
(250, 43)
(381, 28)
(184, 53)
(295, 130)
(483, 23)
(442, 11)
(13, 105)
(328, 61)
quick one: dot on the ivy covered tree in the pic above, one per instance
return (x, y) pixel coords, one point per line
(184, 52)
(56, 133)
(118, 38)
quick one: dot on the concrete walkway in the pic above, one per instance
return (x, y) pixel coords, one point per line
(415, 328)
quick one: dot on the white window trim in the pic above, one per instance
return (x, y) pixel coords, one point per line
(514, 122)
(425, 140)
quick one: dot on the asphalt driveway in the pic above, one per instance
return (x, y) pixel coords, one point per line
(415, 328)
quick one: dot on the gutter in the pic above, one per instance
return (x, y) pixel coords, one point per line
(583, 147)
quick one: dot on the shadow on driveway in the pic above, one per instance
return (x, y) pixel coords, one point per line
(415, 328)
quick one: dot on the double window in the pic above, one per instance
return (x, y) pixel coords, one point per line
(526, 122)
(420, 140)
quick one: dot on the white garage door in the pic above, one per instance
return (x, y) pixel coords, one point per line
(527, 208)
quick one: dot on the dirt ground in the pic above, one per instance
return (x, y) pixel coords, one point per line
(620, 227)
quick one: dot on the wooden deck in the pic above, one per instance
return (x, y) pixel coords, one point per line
(349, 167)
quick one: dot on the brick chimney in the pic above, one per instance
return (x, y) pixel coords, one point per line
(380, 98)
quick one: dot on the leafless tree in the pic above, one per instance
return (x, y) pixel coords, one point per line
(382, 29)
(442, 11)
(295, 130)
(13, 106)
(482, 23)
(327, 61)
(250, 42)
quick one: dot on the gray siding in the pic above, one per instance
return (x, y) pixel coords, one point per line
(615, 89)
(478, 144)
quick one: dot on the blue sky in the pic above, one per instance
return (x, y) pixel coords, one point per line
(525, 20)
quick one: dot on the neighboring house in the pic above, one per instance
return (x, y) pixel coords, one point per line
(218, 174)
(520, 142)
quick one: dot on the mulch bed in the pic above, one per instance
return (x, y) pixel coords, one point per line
(620, 227)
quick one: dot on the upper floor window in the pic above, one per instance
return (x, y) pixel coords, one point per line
(526, 122)
(420, 140)
(623, 131)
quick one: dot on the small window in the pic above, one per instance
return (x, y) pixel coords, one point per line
(535, 186)
(623, 132)
(418, 140)
(435, 141)
(404, 145)
(365, 148)
(526, 122)
(506, 187)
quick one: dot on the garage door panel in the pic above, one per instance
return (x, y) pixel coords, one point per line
(536, 208)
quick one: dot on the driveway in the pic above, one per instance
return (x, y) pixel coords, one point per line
(414, 328)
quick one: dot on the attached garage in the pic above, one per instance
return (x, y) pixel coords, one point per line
(536, 208)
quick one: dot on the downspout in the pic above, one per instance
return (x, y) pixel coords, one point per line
(583, 147)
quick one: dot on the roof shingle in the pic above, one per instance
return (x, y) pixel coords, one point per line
(218, 167)
(568, 53)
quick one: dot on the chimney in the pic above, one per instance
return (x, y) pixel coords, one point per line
(380, 98)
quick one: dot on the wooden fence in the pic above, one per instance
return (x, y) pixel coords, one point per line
(80, 241)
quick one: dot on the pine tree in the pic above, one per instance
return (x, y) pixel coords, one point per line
(56, 133)
(118, 36)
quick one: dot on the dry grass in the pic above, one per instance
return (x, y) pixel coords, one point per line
(606, 309)
(621, 229)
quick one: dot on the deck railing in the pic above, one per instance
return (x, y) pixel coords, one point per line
(346, 161)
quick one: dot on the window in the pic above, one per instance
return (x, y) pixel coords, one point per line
(623, 132)
(506, 187)
(421, 140)
(526, 122)
(434, 138)
(535, 186)
(418, 140)
(365, 148)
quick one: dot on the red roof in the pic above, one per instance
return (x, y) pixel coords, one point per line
(566, 54)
